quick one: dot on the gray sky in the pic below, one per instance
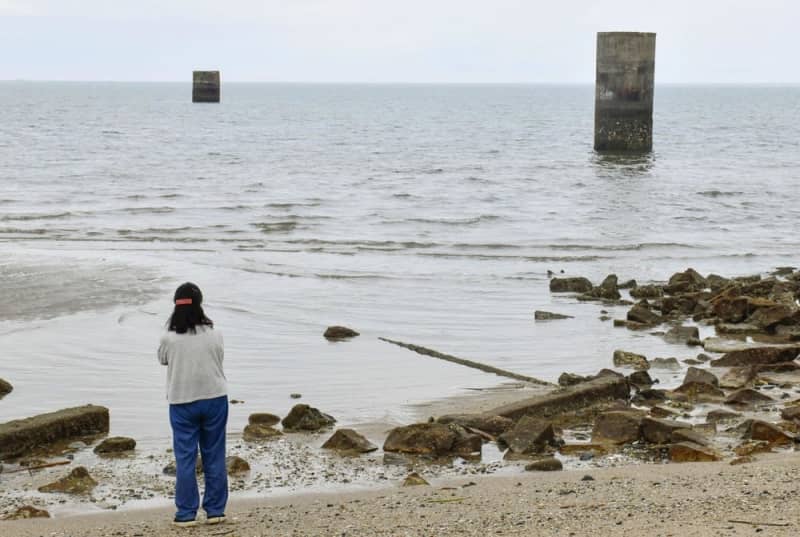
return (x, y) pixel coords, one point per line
(723, 41)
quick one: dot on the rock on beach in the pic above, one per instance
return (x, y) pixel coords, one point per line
(303, 417)
(339, 332)
(348, 441)
(5, 388)
(432, 439)
(115, 444)
(77, 482)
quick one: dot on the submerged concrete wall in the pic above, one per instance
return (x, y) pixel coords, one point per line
(623, 105)
(205, 86)
(19, 437)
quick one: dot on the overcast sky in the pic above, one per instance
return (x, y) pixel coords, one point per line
(722, 41)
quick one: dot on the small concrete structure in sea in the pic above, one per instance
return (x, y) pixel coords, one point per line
(623, 104)
(205, 87)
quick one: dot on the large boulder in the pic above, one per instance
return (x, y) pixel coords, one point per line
(607, 290)
(348, 441)
(255, 432)
(683, 334)
(748, 397)
(306, 418)
(236, 465)
(691, 452)
(641, 379)
(263, 418)
(5, 388)
(730, 309)
(665, 363)
(432, 439)
(529, 435)
(641, 314)
(688, 281)
(791, 413)
(659, 431)
(618, 427)
(683, 304)
(769, 316)
(595, 392)
(335, 333)
(700, 392)
(19, 437)
(737, 378)
(77, 482)
(115, 444)
(767, 432)
(570, 285)
(630, 359)
(488, 423)
(647, 291)
(758, 355)
(695, 374)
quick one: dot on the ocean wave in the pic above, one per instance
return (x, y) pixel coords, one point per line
(365, 243)
(623, 247)
(536, 259)
(41, 216)
(719, 193)
(277, 227)
(290, 205)
(148, 210)
(454, 221)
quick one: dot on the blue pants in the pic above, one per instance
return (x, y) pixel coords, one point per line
(200, 422)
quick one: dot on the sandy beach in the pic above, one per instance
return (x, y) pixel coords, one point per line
(699, 499)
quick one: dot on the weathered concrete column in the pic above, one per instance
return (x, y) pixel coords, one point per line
(205, 87)
(623, 104)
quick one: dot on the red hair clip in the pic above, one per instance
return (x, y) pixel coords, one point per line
(183, 301)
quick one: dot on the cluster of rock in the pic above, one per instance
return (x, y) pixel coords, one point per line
(301, 418)
(764, 309)
(760, 307)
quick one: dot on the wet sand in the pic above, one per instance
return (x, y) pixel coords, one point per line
(696, 499)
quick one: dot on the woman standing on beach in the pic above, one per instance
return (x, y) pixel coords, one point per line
(197, 391)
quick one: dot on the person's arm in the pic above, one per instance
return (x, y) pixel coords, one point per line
(162, 352)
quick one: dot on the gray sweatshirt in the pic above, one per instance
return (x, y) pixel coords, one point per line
(194, 365)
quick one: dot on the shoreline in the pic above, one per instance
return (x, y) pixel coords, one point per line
(697, 499)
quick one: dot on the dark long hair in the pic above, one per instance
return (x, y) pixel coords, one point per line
(188, 312)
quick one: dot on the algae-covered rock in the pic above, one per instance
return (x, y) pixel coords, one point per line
(255, 432)
(263, 418)
(414, 480)
(5, 388)
(236, 465)
(306, 418)
(77, 482)
(115, 444)
(348, 441)
(339, 332)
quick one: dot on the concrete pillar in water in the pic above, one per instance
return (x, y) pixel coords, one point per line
(623, 102)
(205, 87)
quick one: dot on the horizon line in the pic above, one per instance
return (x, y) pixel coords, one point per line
(389, 83)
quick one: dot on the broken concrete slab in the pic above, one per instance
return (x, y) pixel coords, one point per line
(19, 437)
